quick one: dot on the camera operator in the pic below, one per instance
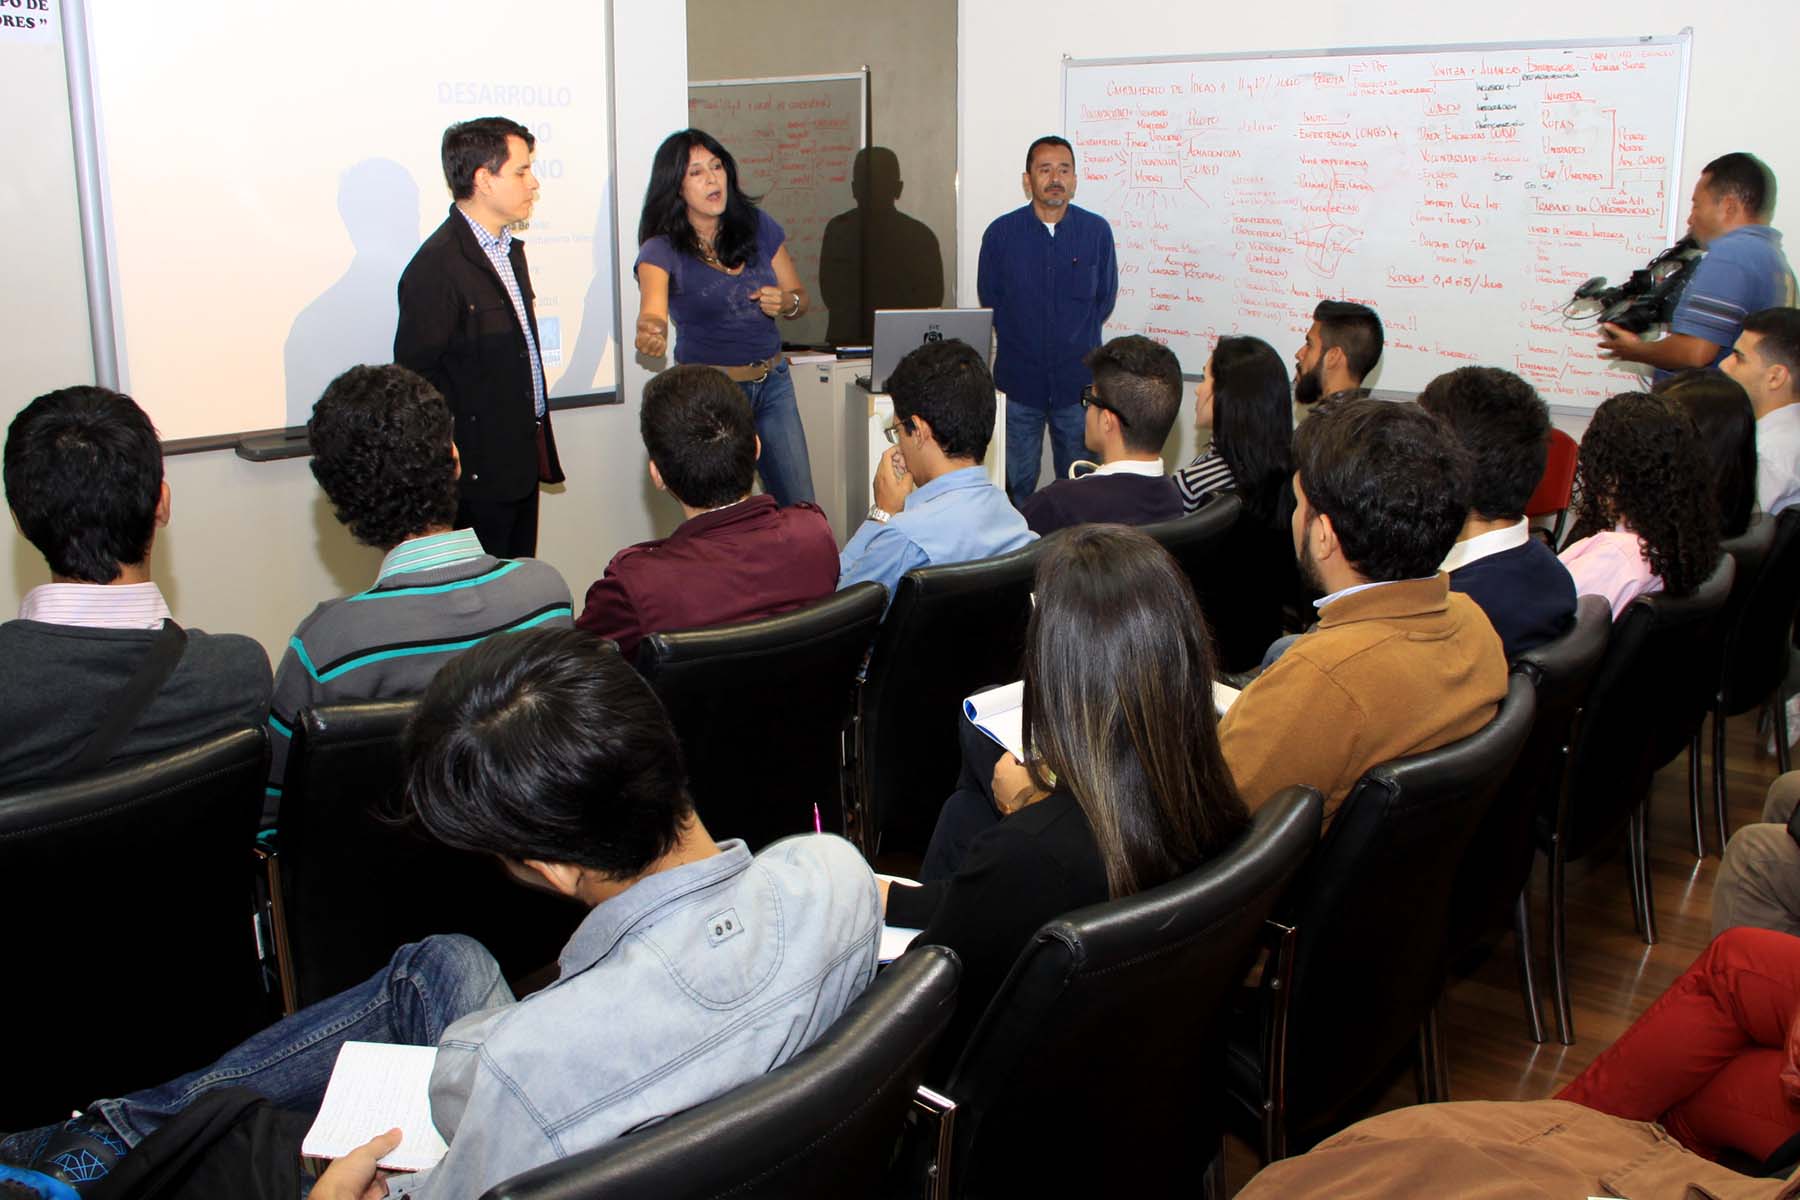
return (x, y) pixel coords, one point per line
(1744, 271)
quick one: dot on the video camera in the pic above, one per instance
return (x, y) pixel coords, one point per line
(1647, 298)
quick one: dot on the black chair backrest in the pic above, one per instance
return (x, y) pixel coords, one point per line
(132, 956)
(761, 708)
(952, 630)
(1655, 684)
(820, 1125)
(1499, 858)
(1232, 561)
(1111, 1026)
(1372, 910)
(357, 884)
(1759, 618)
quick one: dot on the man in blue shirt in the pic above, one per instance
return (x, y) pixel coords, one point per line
(1744, 271)
(1048, 272)
(933, 502)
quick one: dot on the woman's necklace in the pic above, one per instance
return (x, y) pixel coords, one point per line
(707, 255)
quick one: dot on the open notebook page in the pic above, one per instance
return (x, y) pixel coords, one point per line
(375, 1087)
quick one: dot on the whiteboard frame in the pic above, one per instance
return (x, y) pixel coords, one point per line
(1684, 39)
(863, 129)
(106, 319)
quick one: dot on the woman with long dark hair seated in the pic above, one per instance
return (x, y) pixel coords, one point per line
(1125, 788)
(709, 257)
(1245, 400)
(1726, 420)
(1646, 491)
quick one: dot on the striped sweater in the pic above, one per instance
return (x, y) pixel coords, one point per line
(435, 597)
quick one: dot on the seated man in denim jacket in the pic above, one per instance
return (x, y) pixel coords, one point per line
(698, 967)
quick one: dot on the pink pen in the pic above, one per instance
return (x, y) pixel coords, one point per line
(818, 825)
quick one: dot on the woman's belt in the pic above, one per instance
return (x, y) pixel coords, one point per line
(754, 372)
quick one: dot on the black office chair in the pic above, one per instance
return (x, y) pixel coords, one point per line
(1491, 884)
(820, 1125)
(1243, 573)
(952, 630)
(354, 881)
(1358, 967)
(1648, 697)
(1758, 624)
(1109, 1031)
(132, 957)
(763, 709)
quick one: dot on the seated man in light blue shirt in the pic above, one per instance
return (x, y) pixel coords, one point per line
(933, 501)
(698, 967)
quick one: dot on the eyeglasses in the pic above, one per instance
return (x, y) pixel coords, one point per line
(1090, 398)
(892, 432)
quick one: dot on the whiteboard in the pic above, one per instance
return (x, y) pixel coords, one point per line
(1463, 192)
(795, 141)
(267, 175)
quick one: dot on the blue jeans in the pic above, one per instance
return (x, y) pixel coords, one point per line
(1025, 443)
(424, 988)
(785, 469)
(1277, 648)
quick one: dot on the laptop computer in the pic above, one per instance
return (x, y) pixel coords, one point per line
(899, 331)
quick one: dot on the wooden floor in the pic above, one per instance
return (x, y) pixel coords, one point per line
(1613, 975)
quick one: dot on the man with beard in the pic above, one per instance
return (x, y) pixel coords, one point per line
(1342, 346)
(1048, 271)
(1398, 663)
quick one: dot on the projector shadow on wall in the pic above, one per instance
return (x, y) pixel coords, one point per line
(353, 320)
(875, 256)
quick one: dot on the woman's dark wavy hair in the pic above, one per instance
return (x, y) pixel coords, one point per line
(1643, 465)
(1726, 420)
(1253, 421)
(381, 450)
(665, 212)
(1118, 705)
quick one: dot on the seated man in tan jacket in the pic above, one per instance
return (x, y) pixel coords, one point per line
(1398, 663)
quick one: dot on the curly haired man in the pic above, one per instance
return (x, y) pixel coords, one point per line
(384, 454)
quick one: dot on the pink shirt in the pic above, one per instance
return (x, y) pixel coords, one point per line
(1611, 564)
(96, 606)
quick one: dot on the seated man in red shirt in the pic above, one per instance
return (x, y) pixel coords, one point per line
(736, 556)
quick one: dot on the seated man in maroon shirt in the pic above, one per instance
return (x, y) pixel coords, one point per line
(736, 555)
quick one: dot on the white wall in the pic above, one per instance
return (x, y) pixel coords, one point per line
(1010, 74)
(252, 547)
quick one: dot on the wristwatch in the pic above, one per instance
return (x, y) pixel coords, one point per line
(878, 513)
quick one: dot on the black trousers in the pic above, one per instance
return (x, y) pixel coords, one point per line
(507, 528)
(970, 810)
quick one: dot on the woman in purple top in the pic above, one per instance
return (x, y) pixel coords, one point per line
(718, 264)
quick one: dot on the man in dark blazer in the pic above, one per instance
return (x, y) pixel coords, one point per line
(736, 556)
(1527, 594)
(467, 325)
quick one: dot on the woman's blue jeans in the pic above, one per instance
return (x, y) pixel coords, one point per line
(785, 469)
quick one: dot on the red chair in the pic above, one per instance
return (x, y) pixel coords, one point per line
(1552, 494)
